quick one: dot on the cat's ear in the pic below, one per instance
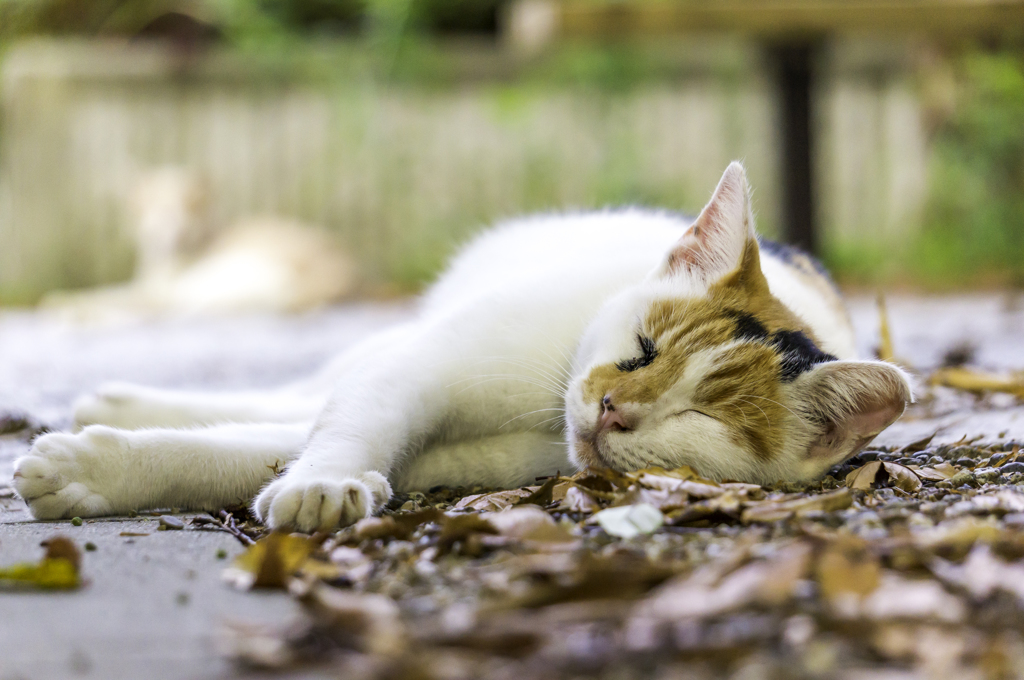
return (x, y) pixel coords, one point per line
(850, 402)
(718, 240)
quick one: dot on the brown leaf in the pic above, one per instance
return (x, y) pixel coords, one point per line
(493, 501)
(937, 473)
(919, 445)
(847, 568)
(871, 474)
(863, 478)
(543, 496)
(528, 522)
(769, 583)
(460, 527)
(902, 477)
(773, 511)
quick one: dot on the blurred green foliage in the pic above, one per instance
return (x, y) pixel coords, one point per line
(974, 224)
(972, 231)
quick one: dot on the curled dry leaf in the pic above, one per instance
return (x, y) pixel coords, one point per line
(271, 562)
(937, 473)
(869, 475)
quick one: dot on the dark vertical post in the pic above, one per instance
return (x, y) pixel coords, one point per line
(796, 78)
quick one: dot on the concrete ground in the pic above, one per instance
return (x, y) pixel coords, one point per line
(154, 603)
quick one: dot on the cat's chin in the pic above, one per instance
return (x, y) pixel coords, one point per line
(585, 454)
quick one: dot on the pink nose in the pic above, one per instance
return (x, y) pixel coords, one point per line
(611, 419)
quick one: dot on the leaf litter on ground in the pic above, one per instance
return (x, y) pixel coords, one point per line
(607, 574)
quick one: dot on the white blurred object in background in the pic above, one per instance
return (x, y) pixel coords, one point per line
(188, 265)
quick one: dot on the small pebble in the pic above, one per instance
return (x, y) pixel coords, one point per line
(961, 478)
(1012, 467)
(171, 522)
(182, 598)
(935, 460)
(76, 521)
(965, 462)
(906, 461)
(867, 456)
(90, 546)
(987, 474)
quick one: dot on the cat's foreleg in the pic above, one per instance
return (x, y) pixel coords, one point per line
(131, 407)
(376, 416)
(104, 471)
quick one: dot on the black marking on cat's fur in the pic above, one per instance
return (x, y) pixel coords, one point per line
(747, 326)
(799, 353)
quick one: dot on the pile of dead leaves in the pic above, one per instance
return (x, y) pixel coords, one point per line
(917, 564)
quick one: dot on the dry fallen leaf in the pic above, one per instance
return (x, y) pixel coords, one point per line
(57, 570)
(271, 562)
(978, 381)
(937, 472)
(866, 477)
(885, 350)
(493, 501)
(773, 511)
(847, 572)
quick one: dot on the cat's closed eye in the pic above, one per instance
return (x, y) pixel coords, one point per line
(648, 353)
(693, 411)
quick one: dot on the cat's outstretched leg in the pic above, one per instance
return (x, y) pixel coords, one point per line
(104, 471)
(132, 407)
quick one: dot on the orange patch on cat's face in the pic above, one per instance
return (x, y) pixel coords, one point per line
(743, 388)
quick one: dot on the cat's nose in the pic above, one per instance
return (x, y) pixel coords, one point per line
(611, 418)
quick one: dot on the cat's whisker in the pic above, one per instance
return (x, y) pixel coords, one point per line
(530, 413)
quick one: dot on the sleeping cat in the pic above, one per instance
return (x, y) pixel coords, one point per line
(618, 339)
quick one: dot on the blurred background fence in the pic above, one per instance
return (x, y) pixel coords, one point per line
(405, 161)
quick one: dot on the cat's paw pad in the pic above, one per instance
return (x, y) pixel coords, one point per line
(57, 477)
(111, 404)
(310, 505)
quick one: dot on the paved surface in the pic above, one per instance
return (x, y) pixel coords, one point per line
(154, 603)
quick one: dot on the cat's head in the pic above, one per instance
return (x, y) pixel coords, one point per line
(701, 365)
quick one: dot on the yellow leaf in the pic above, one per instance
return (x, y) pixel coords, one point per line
(885, 351)
(978, 381)
(271, 562)
(58, 570)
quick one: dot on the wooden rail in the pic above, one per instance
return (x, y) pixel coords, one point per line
(788, 18)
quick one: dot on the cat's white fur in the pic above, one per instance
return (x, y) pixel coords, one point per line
(471, 392)
(189, 264)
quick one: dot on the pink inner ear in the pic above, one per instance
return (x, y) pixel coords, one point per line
(870, 423)
(713, 244)
(687, 253)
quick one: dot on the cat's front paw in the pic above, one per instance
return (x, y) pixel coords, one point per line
(62, 476)
(307, 503)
